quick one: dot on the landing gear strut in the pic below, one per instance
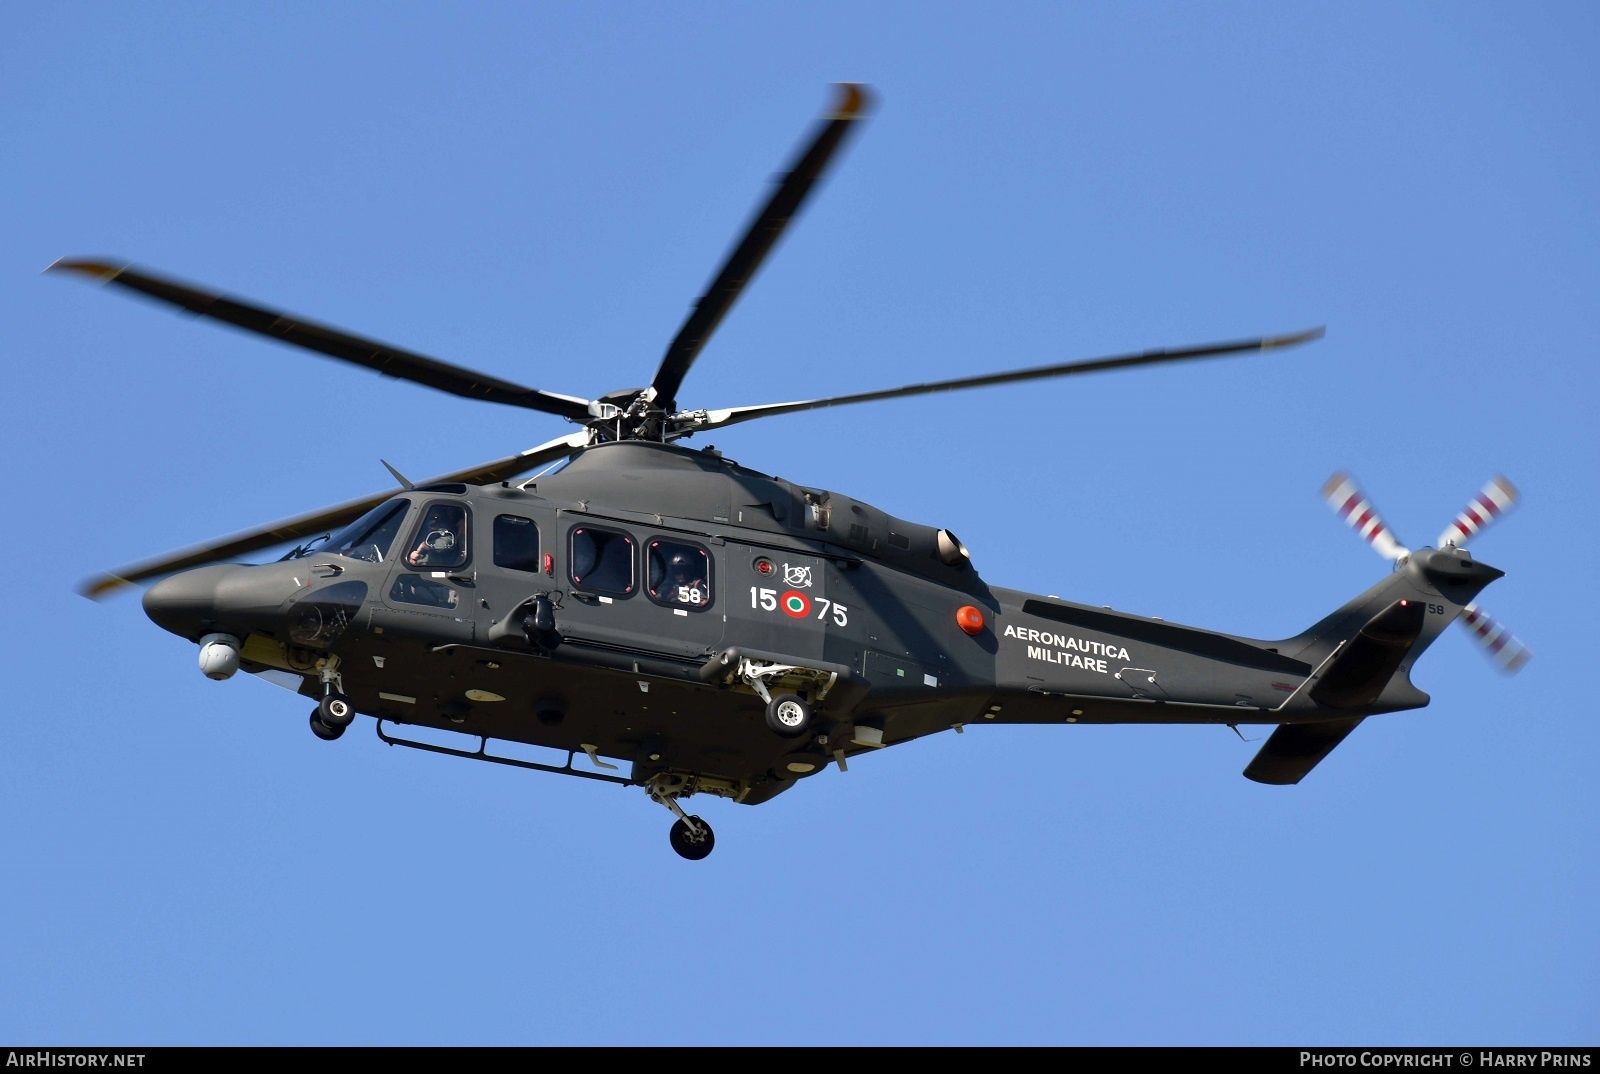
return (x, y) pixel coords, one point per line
(690, 836)
(335, 711)
(788, 714)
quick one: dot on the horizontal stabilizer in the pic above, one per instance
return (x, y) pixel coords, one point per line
(1295, 749)
(1365, 664)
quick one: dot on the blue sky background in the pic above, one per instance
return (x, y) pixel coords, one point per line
(539, 191)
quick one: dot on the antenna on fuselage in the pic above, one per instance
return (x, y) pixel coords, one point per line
(405, 482)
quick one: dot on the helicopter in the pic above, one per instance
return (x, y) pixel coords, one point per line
(672, 620)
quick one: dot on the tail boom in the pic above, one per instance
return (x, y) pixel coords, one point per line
(1057, 661)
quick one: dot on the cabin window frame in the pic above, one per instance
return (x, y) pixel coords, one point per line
(586, 584)
(463, 540)
(671, 600)
(536, 563)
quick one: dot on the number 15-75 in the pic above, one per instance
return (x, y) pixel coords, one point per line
(767, 600)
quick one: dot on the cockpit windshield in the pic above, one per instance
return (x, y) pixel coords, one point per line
(370, 536)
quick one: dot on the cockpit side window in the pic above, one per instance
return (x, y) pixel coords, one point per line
(370, 536)
(440, 542)
(602, 560)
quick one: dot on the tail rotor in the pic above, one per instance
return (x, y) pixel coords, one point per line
(1354, 506)
(1503, 647)
(1492, 501)
(1497, 497)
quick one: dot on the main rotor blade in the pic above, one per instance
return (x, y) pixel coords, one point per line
(734, 415)
(321, 521)
(390, 361)
(759, 238)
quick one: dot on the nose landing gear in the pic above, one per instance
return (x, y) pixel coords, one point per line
(331, 716)
(335, 711)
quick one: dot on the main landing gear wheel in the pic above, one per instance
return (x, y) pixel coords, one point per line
(335, 710)
(322, 730)
(788, 715)
(690, 843)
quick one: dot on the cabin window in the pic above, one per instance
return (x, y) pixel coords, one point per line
(680, 574)
(602, 560)
(370, 536)
(440, 542)
(516, 543)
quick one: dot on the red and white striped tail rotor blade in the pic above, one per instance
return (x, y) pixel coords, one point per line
(1501, 645)
(1351, 504)
(1493, 500)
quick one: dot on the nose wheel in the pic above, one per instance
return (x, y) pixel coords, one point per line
(322, 730)
(331, 716)
(336, 710)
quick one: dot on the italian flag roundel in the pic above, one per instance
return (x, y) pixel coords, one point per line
(795, 604)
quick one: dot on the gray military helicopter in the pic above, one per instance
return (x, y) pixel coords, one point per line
(672, 620)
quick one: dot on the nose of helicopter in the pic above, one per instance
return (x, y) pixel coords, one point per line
(187, 604)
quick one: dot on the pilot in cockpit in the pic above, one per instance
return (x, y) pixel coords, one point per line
(440, 543)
